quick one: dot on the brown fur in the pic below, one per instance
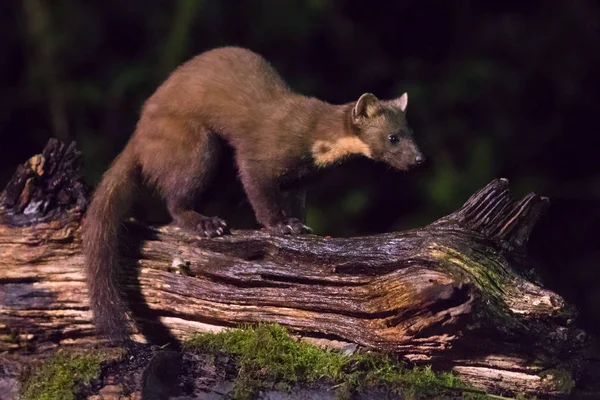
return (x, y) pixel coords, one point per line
(236, 95)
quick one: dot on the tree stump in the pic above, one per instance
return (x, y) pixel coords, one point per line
(456, 293)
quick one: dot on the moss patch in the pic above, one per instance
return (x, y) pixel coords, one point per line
(267, 357)
(61, 374)
(563, 379)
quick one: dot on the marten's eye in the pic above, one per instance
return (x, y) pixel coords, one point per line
(393, 139)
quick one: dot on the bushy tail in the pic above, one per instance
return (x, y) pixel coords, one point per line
(109, 206)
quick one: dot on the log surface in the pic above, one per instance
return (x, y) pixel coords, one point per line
(454, 293)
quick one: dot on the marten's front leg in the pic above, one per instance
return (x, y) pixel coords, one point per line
(262, 189)
(294, 203)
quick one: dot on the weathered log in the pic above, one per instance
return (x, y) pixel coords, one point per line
(453, 293)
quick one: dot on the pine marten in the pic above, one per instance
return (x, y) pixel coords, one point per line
(230, 95)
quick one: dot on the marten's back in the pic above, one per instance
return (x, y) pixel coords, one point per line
(229, 79)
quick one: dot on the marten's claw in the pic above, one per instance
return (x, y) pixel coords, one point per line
(291, 226)
(212, 227)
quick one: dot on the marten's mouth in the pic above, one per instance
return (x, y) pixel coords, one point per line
(402, 163)
(418, 161)
(399, 167)
(414, 165)
(409, 166)
(404, 166)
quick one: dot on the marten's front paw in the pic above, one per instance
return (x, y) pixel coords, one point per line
(212, 227)
(289, 226)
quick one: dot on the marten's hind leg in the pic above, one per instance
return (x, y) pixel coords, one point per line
(184, 216)
(180, 160)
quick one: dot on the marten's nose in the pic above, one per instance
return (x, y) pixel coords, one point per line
(420, 159)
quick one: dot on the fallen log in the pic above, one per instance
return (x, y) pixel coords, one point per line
(457, 293)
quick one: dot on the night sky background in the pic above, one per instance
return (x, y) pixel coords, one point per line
(496, 89)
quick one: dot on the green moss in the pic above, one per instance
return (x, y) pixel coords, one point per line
(268, 357)
(521, 396)
(12, 337)
(60, 375)
(563, 379)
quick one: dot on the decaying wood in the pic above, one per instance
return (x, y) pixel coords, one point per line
(452, 293)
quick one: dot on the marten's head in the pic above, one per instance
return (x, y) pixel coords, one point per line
(382, 126)
(376, 129)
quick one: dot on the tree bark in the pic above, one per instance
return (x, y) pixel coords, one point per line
(456, 293)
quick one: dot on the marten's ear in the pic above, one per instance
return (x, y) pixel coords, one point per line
(366, 106)
(401, 102)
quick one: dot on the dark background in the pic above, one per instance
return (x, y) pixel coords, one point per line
(496, 89)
